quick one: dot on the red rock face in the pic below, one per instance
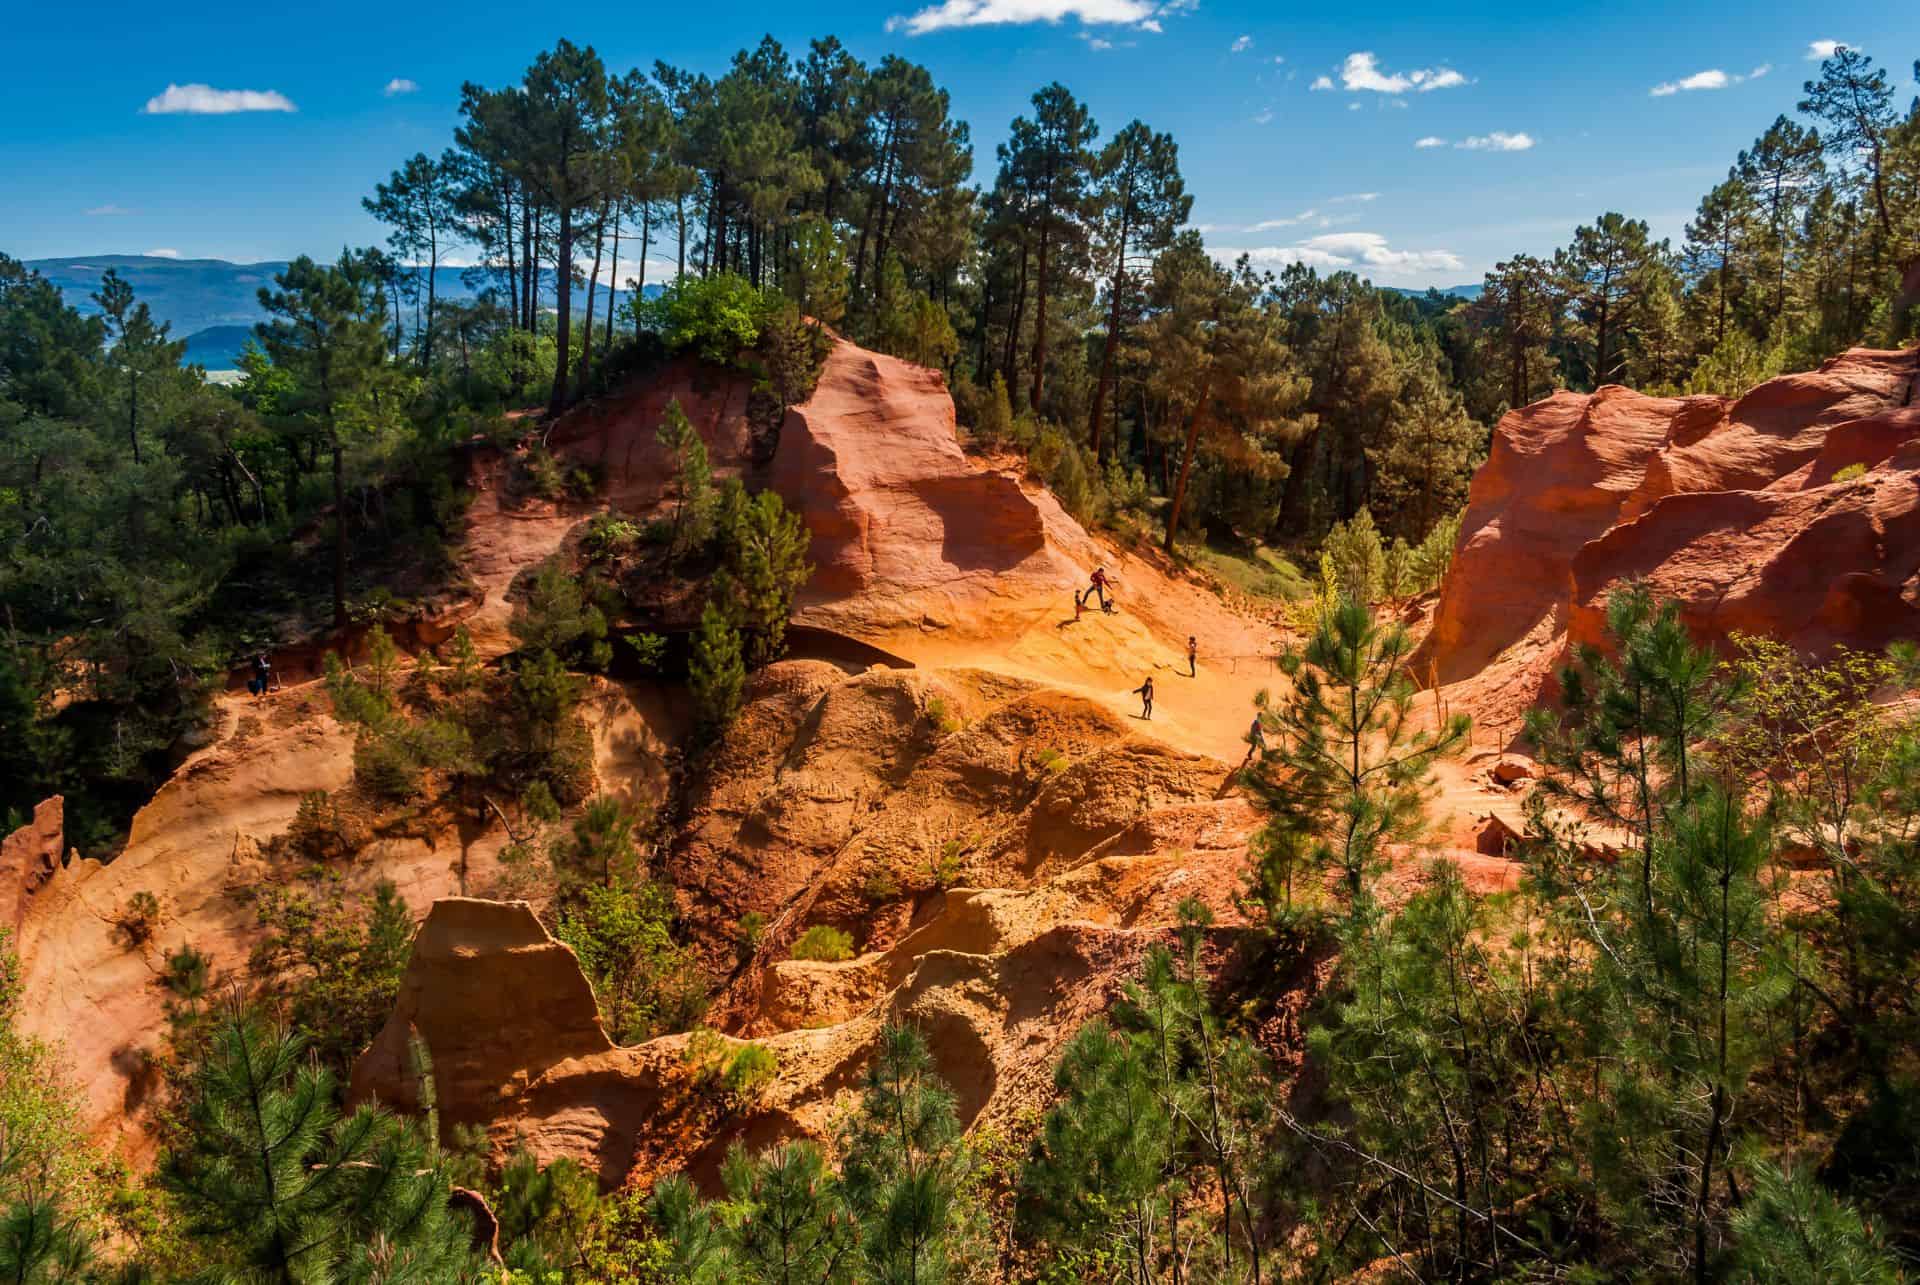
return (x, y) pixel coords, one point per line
(903, 525)
(1728, 507)
(29, 857)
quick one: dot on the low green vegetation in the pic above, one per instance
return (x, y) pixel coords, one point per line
(823, 943)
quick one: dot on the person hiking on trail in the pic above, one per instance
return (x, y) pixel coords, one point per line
(1145, 692)
(262, 675)
(1256, 740)
(1097, 586)
(1193, 656)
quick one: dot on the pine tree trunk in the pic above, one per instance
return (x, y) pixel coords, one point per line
(1186, 466)
(613, 280)
(593, 282)
(563, 300)
(339, 535)
(1102, 389)
(1040, 327)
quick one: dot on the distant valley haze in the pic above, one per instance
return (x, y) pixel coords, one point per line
(214, 304)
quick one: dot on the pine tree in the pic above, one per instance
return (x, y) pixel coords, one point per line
(788, 1225)
(1671, 1010)
(765, 564)
(905, 1162)
(292, 1191)
(1714, 258)
(324, 332)
(1349, 774)
(693, 496)
(1778, 172)
(716, 673)
(1052, 155)
(1602, 271)
(1139, 201)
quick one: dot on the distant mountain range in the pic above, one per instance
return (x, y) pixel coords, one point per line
(214, 304)
(1458, 292)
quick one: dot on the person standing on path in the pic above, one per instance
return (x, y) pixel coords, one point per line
(1256, 740)
(1193, 656)
(1097, 587)
(1145, 692)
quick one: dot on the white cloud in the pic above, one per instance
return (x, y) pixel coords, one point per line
(400, 85)
(1497, 141)
(1712, 78)
(1353, 107)
(1268, 225)
(1321, 82)
(1361, 71)
(107, 211)
(1264, 118)
(1334, 251)
(1820, 50)
(993, 13)
(1098, 45)
(1355, 196)
(205, 100)
(163, 253)
(1760, 71)
(1151, 24)
(1278, 59)
(1243, 44)
(1430, 141)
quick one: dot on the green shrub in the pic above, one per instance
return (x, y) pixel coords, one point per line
(880, 887)
(646, 983)
(716, 316)
(993, 422)
(943, 719)
(383, 767)
(823, 943)
(716, 673)
(1850, 472)
(763, 547)
(138, 918)
(608, 536)
(1434, 554)
(750, 1070)
(650, 650)
(187, 973)
(559, 615)
(749, 932)
(949, 862)
(322, 830)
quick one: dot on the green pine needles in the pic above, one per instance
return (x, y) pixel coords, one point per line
(290, 1189)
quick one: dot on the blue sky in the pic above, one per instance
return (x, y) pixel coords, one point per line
(1532, 120)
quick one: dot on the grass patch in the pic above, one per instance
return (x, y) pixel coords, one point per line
(1253, 569)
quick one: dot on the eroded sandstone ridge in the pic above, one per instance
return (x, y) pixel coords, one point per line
(1793, 510)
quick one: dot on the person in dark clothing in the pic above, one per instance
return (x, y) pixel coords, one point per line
(1145, 692)
(262, 675)
(1193, 656)
(1256, 740)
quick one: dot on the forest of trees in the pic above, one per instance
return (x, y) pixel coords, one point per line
(1678, 1062)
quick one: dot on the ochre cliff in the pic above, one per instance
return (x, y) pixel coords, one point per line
(1728, 505)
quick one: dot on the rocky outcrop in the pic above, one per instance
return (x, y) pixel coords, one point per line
(29, 857)
(493, 1000)
(1726, 505)
(905, 528)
